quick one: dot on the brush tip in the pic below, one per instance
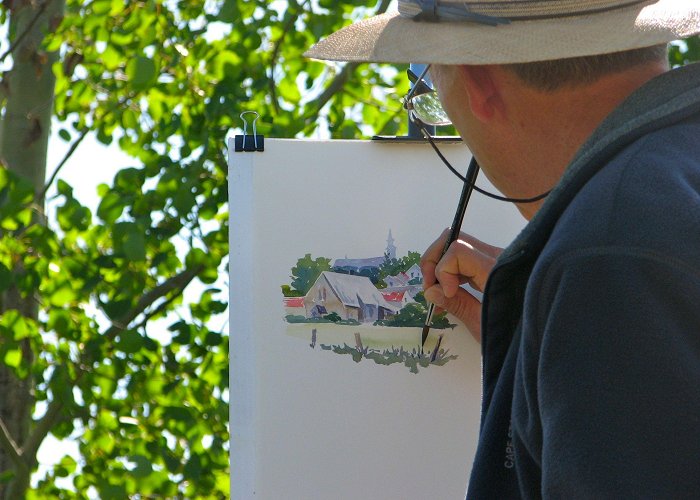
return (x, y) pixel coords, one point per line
(424, 334)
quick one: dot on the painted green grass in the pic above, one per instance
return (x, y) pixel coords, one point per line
(413, 359)
(381, 345)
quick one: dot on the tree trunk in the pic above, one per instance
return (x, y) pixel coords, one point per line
(29, 91)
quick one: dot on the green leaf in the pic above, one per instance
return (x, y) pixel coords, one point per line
(111, 207)
(101, 7)
(7, 476)
(129, 180)
(142, 466)
(129, 342)
(135, 246)
(141, 72)
(64, 188)
(228, 11)
(13, 357)
(112, 491)
(193, 467)
(115, 309)
(130, 239)
(184, 199)
(62, 295)
(20, 326)
(65, 467)
(196, 257)
(59, 321)
(213, 339)
(4, 178)
(72, 215)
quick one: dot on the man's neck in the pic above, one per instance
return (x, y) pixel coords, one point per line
(548, 128)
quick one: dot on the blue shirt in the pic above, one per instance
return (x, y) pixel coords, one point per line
(591, 318)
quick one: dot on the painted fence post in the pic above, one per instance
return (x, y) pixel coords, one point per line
(358, 342)
(437, 349)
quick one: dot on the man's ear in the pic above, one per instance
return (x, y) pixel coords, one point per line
(483, 91)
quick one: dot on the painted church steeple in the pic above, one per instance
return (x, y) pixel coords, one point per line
(390, 248)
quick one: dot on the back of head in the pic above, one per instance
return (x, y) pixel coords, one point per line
(549, 76)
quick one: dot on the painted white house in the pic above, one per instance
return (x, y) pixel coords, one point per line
(349, 296)
(414, 273)
(400, 280)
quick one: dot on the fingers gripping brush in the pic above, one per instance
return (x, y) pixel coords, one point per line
(467, 189)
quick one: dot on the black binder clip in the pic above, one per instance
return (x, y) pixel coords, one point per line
(249, 143)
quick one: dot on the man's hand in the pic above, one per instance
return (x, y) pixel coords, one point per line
(468, 260)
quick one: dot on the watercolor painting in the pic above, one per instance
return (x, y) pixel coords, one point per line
(369, 308)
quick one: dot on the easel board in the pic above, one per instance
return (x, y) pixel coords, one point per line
(337, 408)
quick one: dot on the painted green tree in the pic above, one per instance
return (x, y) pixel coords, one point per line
(392, 267)
(84, 294)
(307, 271)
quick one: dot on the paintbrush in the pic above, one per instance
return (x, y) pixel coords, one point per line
(467, 189)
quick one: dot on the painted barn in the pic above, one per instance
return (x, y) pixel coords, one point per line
(350, 297)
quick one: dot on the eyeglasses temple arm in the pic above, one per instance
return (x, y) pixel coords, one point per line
(419, 85)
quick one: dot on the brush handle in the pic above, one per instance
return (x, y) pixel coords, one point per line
(467, 190)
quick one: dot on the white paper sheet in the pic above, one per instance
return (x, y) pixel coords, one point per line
(307, 422)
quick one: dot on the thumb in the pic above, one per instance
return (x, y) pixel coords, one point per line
(463, 305)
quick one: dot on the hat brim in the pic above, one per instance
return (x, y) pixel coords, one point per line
(392, 38)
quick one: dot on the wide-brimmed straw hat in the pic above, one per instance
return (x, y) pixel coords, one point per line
(509, 31)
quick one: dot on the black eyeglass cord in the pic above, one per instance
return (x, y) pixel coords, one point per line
(474, 186)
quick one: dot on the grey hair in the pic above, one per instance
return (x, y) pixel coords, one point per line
(549, 76)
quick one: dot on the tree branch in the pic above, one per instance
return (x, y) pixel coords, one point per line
(344, 75)
(161, 307)
(42, 429)
(276, 50)
(121, 102)
(177, 282)
(26, 31)
(58, 168)
(55, 408)
(10, 446)
(383, 6)
(389, 120)
(375, 103)
(336, 85)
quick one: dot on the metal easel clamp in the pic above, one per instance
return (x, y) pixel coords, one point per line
(249, 143)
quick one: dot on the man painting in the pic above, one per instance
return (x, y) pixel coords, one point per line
(590, 320)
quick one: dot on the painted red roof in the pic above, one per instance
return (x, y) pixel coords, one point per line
(393, 296)
(294, 302)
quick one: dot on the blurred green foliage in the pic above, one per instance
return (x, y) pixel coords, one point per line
(165, 81)
(296, 96)
(685, 52)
